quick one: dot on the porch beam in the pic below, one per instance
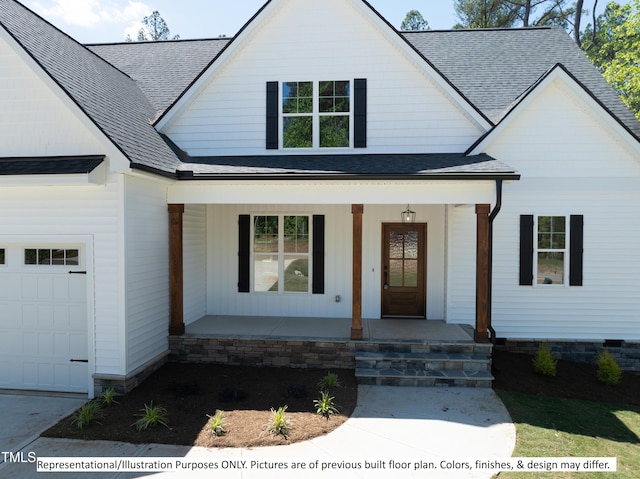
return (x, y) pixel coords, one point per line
(481, 333)
(176, 271)
(356, 309)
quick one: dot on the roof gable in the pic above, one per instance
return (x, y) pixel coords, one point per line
(110, 99)
(336, 21)
(559, 76)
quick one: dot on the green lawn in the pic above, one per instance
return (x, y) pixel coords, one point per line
(552, 427)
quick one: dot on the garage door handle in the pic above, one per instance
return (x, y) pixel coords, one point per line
(79, 360)
(77, 272)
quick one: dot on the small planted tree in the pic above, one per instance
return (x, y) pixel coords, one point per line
(609, 371)
(544, 362)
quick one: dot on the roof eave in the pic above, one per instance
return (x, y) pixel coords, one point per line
(191, 176)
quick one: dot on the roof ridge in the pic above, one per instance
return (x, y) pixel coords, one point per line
(152, 42)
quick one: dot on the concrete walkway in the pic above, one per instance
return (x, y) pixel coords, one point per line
(409, 426)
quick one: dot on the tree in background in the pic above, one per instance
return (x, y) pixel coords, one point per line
(485, 14)
(542, 13)
(414, 21)
(154, 29)
(612, 43)
(510, 13)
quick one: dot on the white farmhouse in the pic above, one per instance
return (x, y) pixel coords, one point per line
(157, 193)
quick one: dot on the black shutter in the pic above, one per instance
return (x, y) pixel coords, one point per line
(575, 250)
(272, 115)
(244, 253)
(526, 250)
(318, 255)
(360, 113)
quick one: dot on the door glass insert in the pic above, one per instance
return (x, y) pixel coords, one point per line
(403, 259)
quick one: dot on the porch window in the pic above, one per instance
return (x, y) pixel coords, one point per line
(2, 260)
(281, 254)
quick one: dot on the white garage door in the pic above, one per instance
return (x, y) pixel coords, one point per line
(43, 318)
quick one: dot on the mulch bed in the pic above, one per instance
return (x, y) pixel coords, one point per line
(246, 395)
(190, 392)
(514, 372)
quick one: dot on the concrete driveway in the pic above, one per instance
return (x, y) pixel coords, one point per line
(388, 423)
(24, 417)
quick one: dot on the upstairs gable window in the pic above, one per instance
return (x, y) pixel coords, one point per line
(316, 114)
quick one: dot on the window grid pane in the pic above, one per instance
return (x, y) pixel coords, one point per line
(281, 254)
(551, 249)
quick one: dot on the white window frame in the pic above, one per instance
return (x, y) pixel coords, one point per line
(565, 251)
(51, 248)
(316, 115)
(282, 255)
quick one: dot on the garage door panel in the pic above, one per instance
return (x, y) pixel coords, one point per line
(43, 326)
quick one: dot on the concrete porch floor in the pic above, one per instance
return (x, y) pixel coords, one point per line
(335, 329)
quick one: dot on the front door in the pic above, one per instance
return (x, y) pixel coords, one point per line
(404, 270)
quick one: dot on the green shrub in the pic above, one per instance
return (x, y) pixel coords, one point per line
(329, 382)
(88, 414)
(325, 406)
(151, 416)
(279, 423)
(216, 424)
(543, 362)
(609, 371)
(109, 397)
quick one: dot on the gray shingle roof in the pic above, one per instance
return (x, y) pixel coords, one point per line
(124, 87)
(441, 165)
(112, 100)
(493, 68)
(163, 70)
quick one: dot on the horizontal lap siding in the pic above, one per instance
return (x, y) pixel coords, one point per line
(407, 112)
(195, 265)
(147, 274)
(571, 164)
(607, 306)
(96, 211)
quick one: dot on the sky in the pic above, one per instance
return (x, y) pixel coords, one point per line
(106, 21)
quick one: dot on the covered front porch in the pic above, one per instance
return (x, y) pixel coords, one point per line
(391, 352)
(327, 329)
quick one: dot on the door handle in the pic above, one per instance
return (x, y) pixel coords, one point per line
(386, 275)
(77, 272)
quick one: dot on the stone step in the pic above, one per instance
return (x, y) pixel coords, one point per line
(423, 378)
(420, 361)
(436, 347)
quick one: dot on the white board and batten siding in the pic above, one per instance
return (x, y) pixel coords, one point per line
(194, 233)
(222, 250)
(407, 111)
(572, 163)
